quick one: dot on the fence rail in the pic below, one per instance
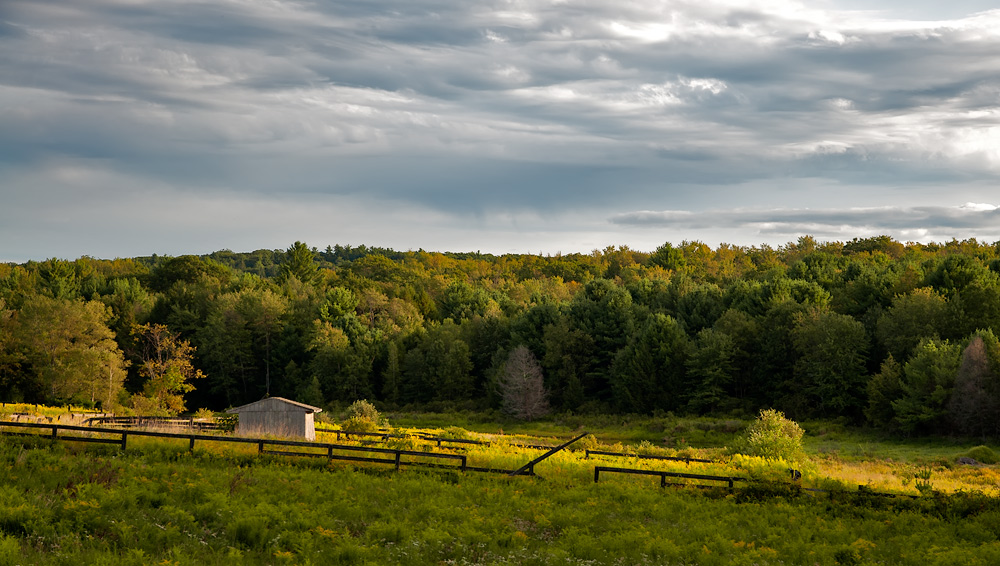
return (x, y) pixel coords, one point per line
(333, 451)
(649, 456)
(164, 422)
(664, 475)
(384, 435)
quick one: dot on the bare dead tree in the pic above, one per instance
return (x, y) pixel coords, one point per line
(521, 386)
(973, 407)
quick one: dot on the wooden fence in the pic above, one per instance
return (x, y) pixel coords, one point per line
(648, 456)
(331, 451)
(391, 456)
(664, 475)
(157, 422)
(441, 441)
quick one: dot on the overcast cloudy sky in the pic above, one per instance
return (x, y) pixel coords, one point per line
(132, 127)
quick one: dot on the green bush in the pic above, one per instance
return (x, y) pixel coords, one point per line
(455, 432)
(983, 455)
(771, 436)
(364, 410)
(359, 424)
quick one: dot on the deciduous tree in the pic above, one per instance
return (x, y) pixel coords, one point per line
(167, 368)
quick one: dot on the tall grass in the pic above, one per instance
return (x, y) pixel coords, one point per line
(158, 503)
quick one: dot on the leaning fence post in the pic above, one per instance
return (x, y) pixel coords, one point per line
(531, 465)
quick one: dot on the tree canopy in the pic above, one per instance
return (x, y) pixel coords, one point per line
(900, 335)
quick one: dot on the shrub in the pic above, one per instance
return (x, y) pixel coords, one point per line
(359, 424)
(362, 416)
(983, 455)
(771, 436)
(363, 409)
(455, 432)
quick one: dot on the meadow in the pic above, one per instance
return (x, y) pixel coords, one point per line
(157, 502)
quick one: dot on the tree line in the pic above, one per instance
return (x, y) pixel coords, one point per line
(898, 335)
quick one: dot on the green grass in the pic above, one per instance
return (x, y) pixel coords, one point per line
(156, 503)
(67, 503)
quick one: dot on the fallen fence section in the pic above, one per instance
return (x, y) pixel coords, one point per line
(648, 456)
(332, 451)
(664, 475)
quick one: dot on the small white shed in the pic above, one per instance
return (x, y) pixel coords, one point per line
(276, 416)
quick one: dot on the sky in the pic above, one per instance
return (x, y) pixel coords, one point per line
(133, 127)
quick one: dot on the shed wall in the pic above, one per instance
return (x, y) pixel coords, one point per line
(276, 418)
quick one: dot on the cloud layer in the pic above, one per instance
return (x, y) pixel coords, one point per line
(919, 223)
(490, 120)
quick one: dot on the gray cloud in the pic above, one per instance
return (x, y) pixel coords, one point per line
(920, 223)
(491, 108)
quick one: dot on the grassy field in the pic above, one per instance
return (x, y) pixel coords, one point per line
(65, 503)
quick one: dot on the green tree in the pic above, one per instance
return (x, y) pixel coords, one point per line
(341, 369)
(701, 307)
(830, 370)
(928, 379)
(669, 257)
(710, 370)
(604, 312)
(66, 352)
(167, 368)
(913, 317)
(649, 373)
(462, 301)
(300, 261)
(884, 388)
(438, 367)
(567, 359)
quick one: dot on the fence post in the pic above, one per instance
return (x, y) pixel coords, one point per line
(397, 460)
(730, 484)
(329, 452)
(463, 462)
(531, 465)
(260, 447)
(54, 429)
(663, 480)
(124, 439)
(597, 473)
(191, 446)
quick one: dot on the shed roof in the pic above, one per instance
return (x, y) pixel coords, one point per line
(272, 403)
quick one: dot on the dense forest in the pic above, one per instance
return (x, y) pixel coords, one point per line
(872, 330)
